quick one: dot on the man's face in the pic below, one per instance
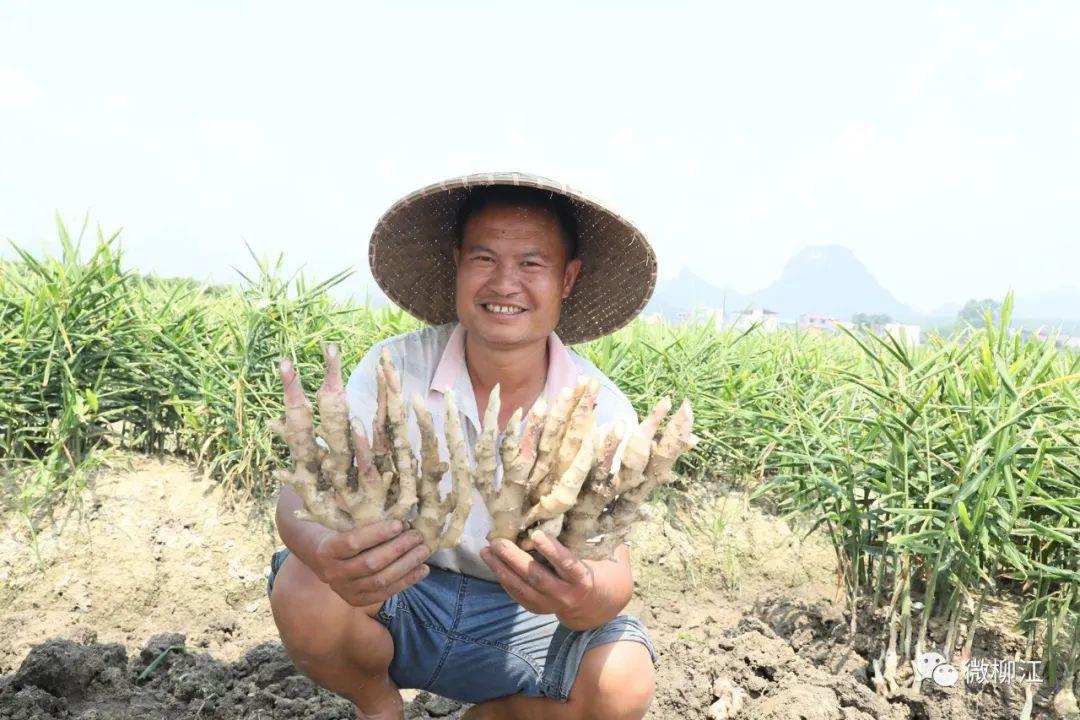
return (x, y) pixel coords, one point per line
(512, 274)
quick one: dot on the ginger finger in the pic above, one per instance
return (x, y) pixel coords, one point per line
(579, 426)
(518, 456)
(296, 428)
(676, 439)
(574, 459)
(486, 459)
(367, 504)
(510, 447)
(364, 503)
(636, 453)
(398, 430)
(551, 438)
(582, 520)
(460, 470)
(564, 493)
(380, 440)
(433, 509)
(334, 424)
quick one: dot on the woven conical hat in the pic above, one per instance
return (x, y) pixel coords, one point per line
(411, 256)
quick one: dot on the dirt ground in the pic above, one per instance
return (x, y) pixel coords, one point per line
(147, 599)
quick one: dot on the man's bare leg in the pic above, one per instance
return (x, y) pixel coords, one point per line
(615, 682)
(342, 648)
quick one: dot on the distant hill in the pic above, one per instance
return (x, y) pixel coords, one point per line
(686, 291)
(830, 280)
(823, 279)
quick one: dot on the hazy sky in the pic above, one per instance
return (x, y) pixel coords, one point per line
(940, 142)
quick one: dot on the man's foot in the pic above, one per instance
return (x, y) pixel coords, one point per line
(387, 706)
(391, 709)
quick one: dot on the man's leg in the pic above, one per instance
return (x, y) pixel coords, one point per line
(614, 682)
(341, 647)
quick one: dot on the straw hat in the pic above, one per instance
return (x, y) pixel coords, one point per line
(412, 259)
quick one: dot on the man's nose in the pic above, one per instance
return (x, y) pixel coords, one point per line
(506, 279)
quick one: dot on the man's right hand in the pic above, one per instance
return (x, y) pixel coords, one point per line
(368, 564)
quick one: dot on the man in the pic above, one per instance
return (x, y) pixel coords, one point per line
(496, 263)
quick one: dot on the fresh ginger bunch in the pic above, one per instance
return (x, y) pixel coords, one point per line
(386, 481)
(557, 470)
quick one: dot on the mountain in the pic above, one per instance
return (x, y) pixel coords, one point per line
(686, 291)
(828, 280)
(822, 279)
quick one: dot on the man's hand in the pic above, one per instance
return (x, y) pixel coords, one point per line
(579, 595)
(366, 565)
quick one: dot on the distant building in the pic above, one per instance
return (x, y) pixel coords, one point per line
(821, 323)
(766, 320)
(912, 334)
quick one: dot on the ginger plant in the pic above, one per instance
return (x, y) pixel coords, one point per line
(557, 471)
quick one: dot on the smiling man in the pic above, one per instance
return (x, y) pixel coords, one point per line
(504, 268)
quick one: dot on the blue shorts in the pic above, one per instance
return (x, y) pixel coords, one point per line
(464, 638)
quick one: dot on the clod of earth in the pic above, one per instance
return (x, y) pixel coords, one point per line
(558, 469)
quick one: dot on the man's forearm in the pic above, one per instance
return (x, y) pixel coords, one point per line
(613, 586)
(300, 536)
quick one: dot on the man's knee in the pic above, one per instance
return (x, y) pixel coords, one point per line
(615, 681)
(316, 624)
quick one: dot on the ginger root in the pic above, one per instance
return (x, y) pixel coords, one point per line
(557, 470)
(387, 482)
(590, 508)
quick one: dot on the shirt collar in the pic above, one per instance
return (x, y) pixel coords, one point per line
(562, 372)
(561, 369)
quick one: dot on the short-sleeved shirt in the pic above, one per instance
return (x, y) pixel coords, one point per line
(432, 361)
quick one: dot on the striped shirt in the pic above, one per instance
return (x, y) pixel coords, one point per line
(432, 361)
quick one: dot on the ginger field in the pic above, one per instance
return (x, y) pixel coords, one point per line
(943, 481)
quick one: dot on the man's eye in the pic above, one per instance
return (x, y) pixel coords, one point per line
(530, 263)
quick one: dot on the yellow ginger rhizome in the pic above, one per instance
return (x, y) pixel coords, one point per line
(558, 473)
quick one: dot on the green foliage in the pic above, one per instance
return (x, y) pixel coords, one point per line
(951, 471)
(946, 472)
(94, 357)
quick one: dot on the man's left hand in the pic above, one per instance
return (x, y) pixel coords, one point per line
(534, 586)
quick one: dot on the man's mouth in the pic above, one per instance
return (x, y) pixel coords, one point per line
(502, 309)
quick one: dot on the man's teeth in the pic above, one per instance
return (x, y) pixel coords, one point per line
(505, 309)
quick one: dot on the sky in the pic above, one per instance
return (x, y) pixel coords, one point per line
(940, 142)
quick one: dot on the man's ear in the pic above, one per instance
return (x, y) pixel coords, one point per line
(570, 276)
(457, 254)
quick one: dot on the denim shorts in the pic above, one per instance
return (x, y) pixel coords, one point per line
(465, 639)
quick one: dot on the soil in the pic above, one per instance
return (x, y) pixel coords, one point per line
(146, 598)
